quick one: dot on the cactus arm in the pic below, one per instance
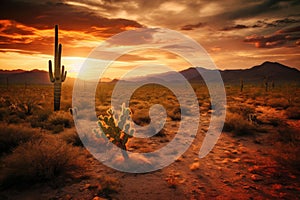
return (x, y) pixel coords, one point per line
(63, 74)
(50, 72)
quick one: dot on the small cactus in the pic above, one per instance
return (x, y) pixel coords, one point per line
(60, 74)
(266, 83)
(242, 85)
(117, 131)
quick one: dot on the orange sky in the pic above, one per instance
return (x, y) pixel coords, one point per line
(236, 34)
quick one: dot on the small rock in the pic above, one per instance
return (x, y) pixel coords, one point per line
(87, 186)
(255, 177)
(276, 186)
(68, 197)
(246, 187)
(195, 166)
(98, 198)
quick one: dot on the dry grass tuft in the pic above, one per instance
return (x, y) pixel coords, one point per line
(13, 135)
(293, 112)
(237, 124)
(41, 160)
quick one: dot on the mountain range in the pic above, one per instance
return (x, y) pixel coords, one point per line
(272, 71)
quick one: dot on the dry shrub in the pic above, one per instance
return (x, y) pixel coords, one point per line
(287, 148)
(242, 109)
(13, 135)
(40, 119)
(60, 120)
(41, 160)
(175, 114)
(71, 137)
(141, 117)
(293, 112)
(278, 103)
(237, 124)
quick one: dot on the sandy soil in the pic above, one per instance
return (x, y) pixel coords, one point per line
(237, 168)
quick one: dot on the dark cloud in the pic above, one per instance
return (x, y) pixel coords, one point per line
(263, 8)
(236, 27)
(12, 29)
(46, 15)
(286, 37)
(263, 24)
(290, 30)
(189, 27)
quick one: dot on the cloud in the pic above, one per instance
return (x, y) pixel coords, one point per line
(28, 26)
(70, 17)
(285, 37)
(235, 27)
(189, 27)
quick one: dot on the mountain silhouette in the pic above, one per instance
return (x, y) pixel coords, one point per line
(272, 71)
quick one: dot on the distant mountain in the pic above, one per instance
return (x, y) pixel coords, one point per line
(22, 77)
(272, 70)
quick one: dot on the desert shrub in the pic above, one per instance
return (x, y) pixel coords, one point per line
(61, 118)
(13, 135)
(237, 124)
(287, 149)
(293, 112)
(57, 121)
(175, 114)
(288, 134)
(3, 113)
(242, 109)
(278, 103)
(141, 117)
(71, 137)
(27, 104)
(39, 119)
(13, 119)
(274, 121)
(41, 160)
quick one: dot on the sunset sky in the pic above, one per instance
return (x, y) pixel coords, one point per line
(235, 33)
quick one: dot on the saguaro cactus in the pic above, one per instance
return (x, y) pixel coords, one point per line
(60, 74)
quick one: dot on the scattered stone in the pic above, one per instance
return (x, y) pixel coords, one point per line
(276, 186)
(246, 187)
(98, 198)
(255, 177)
(195, 166)
(87, 186)
(236, 160)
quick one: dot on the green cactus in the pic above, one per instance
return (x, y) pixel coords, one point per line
(60, 74)
(117, 131)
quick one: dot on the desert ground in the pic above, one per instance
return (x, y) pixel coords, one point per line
(256, 156)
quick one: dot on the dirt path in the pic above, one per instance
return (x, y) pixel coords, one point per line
(237, 168)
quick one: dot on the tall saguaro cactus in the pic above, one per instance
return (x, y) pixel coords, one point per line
(60, 74)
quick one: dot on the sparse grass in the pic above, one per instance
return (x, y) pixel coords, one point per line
(293, 112)
(242, 109)
(71, 137)
(278, 103)
(13, 135)
(60, 120)
(41, 160)
(287, 149)
(236, 124)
